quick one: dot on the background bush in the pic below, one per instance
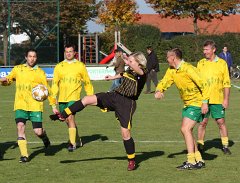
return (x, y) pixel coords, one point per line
(191, 45)
(134, 37)
(137, 37)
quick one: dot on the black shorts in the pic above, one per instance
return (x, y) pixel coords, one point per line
(34, 124)
(124, 107)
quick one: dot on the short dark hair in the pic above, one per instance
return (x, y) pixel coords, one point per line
(30, 50)
(149, 48)
(177, 52)
(209, 43)
(118, 50)
(70, 45)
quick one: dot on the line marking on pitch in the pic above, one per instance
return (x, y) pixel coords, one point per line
(114, 141)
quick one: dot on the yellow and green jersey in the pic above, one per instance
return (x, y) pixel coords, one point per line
(217, 76)
(67, 81)
(26, 78)
(193, 90)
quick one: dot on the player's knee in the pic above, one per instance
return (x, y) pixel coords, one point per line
(203, 125)
(183, 130)
(221, 125)
(126, 135)
(38, 131)
(186, 129)
(21, 127)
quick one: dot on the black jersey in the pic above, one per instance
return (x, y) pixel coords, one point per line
(132, 84)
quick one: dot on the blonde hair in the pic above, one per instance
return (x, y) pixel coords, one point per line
(140, 58)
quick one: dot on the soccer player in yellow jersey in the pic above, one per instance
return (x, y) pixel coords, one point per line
(215, 71)
(27, 76)
(194, 94)
(67, 81)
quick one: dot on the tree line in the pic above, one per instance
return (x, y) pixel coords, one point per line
(37, 18)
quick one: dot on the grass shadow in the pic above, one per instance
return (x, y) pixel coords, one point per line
(214, 143)
(53, 149)
(92, 138)
(140, 157)
(4, 147)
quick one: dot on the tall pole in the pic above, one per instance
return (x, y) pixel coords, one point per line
(96, 46)
(58, 24)
(79, 47)
(9, 31)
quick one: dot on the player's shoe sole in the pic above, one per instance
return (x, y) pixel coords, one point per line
(23, 159)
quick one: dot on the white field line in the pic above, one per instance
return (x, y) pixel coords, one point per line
(113, 141)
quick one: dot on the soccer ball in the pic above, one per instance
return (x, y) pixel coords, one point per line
(40, 92)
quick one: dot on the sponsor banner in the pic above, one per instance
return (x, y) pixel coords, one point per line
(95, 73)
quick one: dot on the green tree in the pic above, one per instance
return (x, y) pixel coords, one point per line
(197, 9)
(74, 14)
(38, 19)
(138, 37)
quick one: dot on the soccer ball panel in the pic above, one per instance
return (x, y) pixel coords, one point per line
(40, 92)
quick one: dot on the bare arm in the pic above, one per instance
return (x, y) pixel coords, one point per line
(109, 77)
(226, 97)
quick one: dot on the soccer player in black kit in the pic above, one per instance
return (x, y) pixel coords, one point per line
(122, 100)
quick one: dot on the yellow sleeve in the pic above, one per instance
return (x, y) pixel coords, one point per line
(11, 77)
(88, 87)
(166, 82)
(202, 84)
(55, 81)
(226, 78)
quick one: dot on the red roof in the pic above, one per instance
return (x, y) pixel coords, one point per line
(217, 26)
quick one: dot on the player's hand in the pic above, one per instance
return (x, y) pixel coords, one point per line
(225, 104)
(159, 95)
(108, 77)
(55, 111)
(3, 81)
(204, 108)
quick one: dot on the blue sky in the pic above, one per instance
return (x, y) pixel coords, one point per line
(143, 9)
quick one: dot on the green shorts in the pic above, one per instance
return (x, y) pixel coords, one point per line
(217, 111)
(23, 116)
(64, 105)
(192, 112)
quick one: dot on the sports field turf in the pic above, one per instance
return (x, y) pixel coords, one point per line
(102, 159)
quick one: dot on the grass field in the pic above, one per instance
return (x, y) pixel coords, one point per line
(102, 159)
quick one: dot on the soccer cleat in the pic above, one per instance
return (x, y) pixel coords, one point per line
(71, 147)
(23, 159)
(200, 164)
(187, 166)
(226, 150)
(55, 117)
(79, 143)
(131, 165)
(200, 148)
(46, 142)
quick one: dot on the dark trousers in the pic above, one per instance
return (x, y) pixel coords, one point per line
(152, 76)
